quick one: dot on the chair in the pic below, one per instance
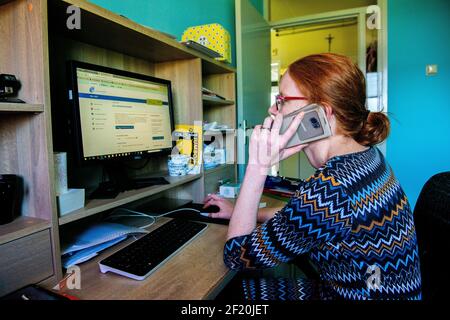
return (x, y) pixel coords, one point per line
(432, 221)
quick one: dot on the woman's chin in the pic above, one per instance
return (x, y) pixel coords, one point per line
(311, 155)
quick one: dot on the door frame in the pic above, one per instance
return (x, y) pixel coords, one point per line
(243, 131)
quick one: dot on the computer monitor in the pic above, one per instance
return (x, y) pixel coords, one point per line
(119, 115)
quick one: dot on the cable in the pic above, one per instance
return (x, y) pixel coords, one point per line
(145, 215)
(114, 215)
(140, 227)
(176, 210)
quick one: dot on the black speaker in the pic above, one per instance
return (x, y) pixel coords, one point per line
(11, 195)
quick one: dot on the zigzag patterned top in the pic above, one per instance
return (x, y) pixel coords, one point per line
(353, 220)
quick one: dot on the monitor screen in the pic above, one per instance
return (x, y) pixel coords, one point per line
(120, 114)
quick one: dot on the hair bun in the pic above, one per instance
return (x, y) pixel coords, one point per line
(374, 130)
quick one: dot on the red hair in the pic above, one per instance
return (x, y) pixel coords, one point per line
(334, 80)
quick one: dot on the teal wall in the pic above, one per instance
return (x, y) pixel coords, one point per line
(175, 16)
(419, 144)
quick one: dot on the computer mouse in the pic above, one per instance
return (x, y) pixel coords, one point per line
(211, 209)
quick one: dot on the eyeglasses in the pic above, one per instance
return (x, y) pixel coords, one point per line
(280, 100)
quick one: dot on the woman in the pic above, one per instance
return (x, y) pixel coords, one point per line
(351, 218)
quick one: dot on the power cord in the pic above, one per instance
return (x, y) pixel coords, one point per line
(116, 214)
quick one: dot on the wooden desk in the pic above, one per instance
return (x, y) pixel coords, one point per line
(272, 202)
(196, 272)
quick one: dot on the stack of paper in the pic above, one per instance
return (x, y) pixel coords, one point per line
(86, 244)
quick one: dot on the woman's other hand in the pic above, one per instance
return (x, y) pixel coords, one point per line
(225, 206)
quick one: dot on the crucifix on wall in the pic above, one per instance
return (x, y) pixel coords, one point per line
(329, 38)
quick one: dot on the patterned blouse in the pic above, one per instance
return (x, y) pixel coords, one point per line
(353, 221)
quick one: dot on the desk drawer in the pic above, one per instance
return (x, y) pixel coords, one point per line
(25, 261)
(212, 178)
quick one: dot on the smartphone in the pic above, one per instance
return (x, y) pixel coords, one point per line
(314, 125)
(35, 292)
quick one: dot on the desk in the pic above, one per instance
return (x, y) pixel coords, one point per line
(196, 272)
(272, 201)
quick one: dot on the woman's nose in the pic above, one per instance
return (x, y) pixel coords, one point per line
(273, 109)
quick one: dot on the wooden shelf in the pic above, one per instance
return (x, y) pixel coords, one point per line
(217, 132)
(98, 205)
(210, 101)
(218, 168)
(6, 107)
(21, 227)
(130, 37)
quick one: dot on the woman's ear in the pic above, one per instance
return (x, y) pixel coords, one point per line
(330, 117)
(328, 111)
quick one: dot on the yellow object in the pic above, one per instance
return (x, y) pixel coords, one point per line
(189, 142)
(212, 36)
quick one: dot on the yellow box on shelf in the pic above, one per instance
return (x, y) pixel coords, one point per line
(213, 36)
(189, 142)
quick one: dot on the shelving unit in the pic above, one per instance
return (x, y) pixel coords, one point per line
(131, 38)
(29, 246)
(20, 107)
(99, 205)
(36, 44)
(21, 227)
(224, 113)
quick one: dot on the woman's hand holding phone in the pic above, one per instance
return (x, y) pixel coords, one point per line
(268, 146)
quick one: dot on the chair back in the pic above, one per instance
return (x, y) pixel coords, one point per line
(432, 221)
